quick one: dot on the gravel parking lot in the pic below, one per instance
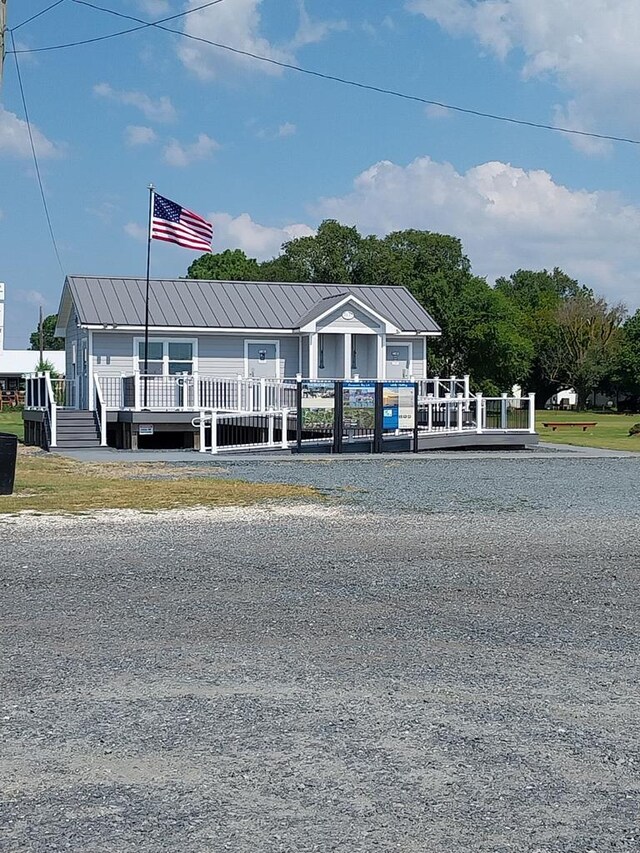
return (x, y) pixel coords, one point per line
(441, 655)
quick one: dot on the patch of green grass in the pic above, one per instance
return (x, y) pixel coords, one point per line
(610, 433)
(11, 421)
(54, 484)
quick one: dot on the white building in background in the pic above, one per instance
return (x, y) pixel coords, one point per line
(14, 363)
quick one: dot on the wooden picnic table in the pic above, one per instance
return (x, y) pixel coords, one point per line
(584, 424)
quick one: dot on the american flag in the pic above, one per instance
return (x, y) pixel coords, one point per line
(175, 224)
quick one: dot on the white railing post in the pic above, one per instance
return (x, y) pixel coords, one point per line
(263, 394)
(136, 391)
(459, 413)
(196, 391)
(479, 412)
(430, 413)
(214, 432)
(271, 416)
(532, 413)
(239, 388)
(447, 416)
(467, 386)
(436, 387)
(503, 412)
(52, 409)
(285, 429)
(202, 427)
(452, 386)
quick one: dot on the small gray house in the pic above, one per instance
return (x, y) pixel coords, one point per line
(227, 344)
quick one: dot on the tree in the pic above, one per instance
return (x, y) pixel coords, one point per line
(330, 256)
(50, 342)
(624, 374)
(230, 265)
(584, 343)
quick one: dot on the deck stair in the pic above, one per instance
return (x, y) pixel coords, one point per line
(76, 429)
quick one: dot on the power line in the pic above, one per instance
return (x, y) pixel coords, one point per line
(144, 25)
(346, 82)
(37, 15)
(35, 158)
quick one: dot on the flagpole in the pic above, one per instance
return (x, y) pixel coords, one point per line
(146, 298)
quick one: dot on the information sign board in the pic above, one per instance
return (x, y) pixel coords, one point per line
(318, 405)
(398, 405)
(359, 405)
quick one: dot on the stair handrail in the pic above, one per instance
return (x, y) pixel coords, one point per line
(52, 408)
(101, 411)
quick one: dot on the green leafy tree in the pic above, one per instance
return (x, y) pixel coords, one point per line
(45, 366)
(623, 377)
(585, 343)
(230, 265)
(49, 340)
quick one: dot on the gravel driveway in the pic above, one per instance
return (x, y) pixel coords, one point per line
(440, 656)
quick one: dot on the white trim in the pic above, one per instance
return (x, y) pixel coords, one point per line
(409, 345)
(381, 350)
(312, 325)
(347, 353)
(91, 390)
(248, 341)
(313, 355)
(227, 330)
(138, 365)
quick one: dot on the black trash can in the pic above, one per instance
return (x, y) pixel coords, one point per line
(8, 454)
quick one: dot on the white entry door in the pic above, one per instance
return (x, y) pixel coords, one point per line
(262, 360)
(398, 361)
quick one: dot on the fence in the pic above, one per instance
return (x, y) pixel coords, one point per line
(242, 430)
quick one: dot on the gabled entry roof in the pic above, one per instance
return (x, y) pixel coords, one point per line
(197, 303)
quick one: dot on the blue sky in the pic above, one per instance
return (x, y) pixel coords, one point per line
(268, 153)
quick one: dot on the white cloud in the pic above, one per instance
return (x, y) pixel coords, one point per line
(160, 110)
(237, 24)
(154, 8)
(589, 48)
(258, 241)
(312, 32)
(136, 231)
(287, 128)
(178, 154)
(106, 211)
(506, 217)
(31, 297)
(138, 135)
(14, 138)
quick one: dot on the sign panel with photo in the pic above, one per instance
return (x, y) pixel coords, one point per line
(398, 405)
(318, 404)
(359, 405)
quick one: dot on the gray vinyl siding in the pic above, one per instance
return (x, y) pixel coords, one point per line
(366, 356)
(417, 353)
(113, 353)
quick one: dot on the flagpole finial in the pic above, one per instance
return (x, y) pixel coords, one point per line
(151, 187)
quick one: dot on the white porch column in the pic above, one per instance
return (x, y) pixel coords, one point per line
(347, 355)
(313, 355)
(381, 355)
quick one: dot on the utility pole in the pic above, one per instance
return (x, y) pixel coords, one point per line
(41, 337)
(3, 28)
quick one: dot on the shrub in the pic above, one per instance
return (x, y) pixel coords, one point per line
(635, 430)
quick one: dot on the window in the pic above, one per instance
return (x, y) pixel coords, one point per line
(166, 358)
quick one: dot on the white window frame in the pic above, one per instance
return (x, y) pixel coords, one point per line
(138, 364)
(248, 341)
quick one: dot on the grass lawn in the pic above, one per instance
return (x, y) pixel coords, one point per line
(52, 484)
(11, 421)
(611, 432)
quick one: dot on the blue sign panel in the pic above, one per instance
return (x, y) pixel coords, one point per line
(398, 405)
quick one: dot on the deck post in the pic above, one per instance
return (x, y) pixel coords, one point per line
(136, 391)
(202, 429)
(214, 432)
(196, 391)
(239, 393)
(467, 386)
(503, 412)
(532, 413)
(263, 394)
(285, 429)
(447, 415)
(270, 430)
(452, 386)
(479, 412)
(52, 409)
(430, 413)
(459, 413)
(436, 387)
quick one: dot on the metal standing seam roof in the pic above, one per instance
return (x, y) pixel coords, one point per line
(198, 303)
